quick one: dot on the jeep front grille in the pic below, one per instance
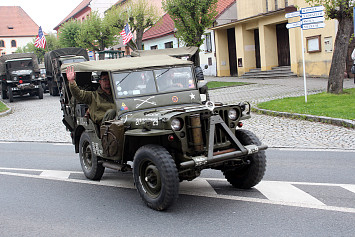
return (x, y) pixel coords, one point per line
(198, 139)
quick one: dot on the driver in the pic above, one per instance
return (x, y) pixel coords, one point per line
(101, 105)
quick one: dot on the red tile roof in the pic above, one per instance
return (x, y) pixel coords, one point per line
(16, 18)
(80, 7)
(165, 26)
(223, 5)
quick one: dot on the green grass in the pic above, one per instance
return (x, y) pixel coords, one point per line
(216, 84)
(3, 107)
(323, 104)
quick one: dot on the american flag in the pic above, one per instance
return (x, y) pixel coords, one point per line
(40, 40)
(126, 34)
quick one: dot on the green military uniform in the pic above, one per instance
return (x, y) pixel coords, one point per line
(98, 101)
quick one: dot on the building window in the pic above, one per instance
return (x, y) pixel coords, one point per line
(2, 44)
(153, 47)
(286, 3)
(208, 42)
(13, 43)
(276, 5)
(169, 45)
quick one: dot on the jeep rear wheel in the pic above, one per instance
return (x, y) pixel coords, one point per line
(156, 177)
(249, 175)
(88, 160)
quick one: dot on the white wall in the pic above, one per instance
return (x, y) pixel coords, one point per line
(204, 55)
(21, 41)
(160, 42)
(101, 5)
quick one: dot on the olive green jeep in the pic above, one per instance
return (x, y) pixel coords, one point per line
(163, 129)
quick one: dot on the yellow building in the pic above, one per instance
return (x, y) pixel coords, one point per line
(258, 38)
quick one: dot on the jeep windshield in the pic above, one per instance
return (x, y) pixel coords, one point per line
(152, 81)
(19, 64)
(73, 60)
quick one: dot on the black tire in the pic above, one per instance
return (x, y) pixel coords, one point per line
(156, 177)
(88, 160)
(199, 73)
(10, 94)
(40, 92)
(3, 93)
(250, 175)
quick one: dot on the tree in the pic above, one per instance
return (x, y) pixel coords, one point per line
(95, 34)
(191, 18)
(68, 33)
(139, 14)
(341, 10)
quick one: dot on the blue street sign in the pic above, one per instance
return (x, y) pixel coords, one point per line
(294, 24)
(313, 26)
(292, 14)
(312, 14)
(313, 20)
(312, 9)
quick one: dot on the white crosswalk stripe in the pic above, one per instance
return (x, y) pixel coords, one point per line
(285, 192)
(275, 192)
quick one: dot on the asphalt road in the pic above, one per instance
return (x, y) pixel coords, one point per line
(304, 193)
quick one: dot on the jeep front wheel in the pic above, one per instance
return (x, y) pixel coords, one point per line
(10, 94)
(88, 160)
(156, 177)
(249, 175)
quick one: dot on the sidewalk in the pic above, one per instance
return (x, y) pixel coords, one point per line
(283, 131)
(266, 89)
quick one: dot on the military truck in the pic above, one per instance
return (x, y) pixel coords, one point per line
(163, 133)
(19, 75)
(53, 61)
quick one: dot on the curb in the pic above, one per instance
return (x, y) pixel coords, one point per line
(9, 111)
(313, 118)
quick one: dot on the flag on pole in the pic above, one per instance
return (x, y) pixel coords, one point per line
(126, 34)
(40, 40)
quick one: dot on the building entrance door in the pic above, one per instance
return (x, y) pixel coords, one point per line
(283, 45)
(257, 48)
(232, 51)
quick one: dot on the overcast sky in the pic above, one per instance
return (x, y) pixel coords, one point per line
(45, 13)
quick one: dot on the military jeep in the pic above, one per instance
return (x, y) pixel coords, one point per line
(19, 75)
(163, 130)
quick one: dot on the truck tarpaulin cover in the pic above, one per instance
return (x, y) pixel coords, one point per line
(13, 56)
(62, 52)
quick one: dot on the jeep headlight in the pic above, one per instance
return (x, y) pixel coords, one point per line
(232, 114)
(176, 124)
(15, 78)
(33, 76)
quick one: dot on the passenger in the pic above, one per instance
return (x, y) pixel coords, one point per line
(101, 105)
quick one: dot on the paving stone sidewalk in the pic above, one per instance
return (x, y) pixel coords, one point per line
(37, 120)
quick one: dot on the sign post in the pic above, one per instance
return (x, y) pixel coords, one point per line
(311, 18)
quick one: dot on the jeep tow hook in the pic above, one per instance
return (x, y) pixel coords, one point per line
(203, 160)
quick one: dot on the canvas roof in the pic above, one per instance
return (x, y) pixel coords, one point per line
(127, 63)
(13, 56)
(173, 52)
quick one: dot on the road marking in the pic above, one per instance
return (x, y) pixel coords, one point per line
(199, 187)
(55, 174)
(196, 186)
(350, 187)
(285, 192)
